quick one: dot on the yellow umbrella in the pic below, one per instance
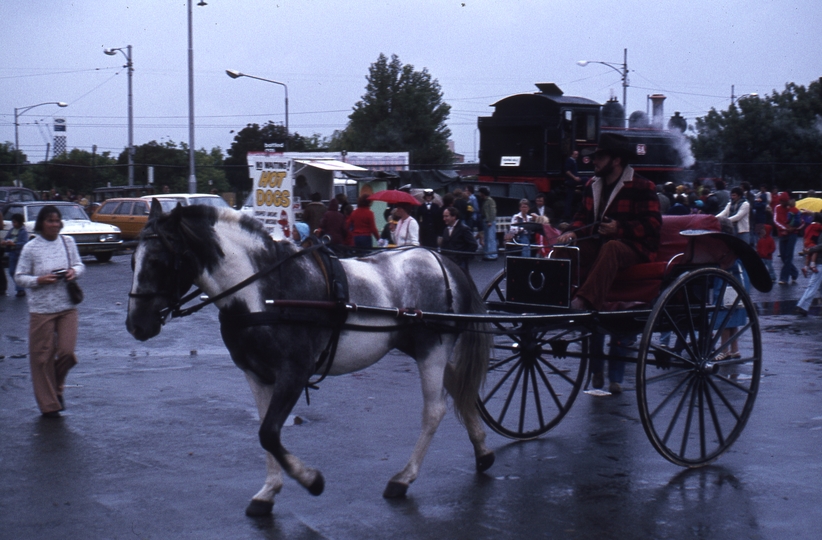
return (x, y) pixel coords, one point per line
(811, 204)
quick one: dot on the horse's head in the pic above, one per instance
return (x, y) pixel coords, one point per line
(173, 250)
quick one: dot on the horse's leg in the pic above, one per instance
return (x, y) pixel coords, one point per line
(434, 408)
(262, 503)
(483, 455)
(285, 393)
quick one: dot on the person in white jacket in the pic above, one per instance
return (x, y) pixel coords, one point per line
(738, 212)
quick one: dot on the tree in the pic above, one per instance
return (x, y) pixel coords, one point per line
(401, 110)
(254, 138)
(79, 171)
(8, 167)
(772, 140)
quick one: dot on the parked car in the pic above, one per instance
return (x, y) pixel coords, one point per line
(128, 214)
(98, 239)
(188, 199)
(12, 194)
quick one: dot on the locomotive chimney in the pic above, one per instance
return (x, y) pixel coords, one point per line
(658, 112)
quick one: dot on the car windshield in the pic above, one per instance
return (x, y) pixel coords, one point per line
(168, 204)
(68, 212)
(219, 202)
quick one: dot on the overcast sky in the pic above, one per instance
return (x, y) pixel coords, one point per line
(478, 50)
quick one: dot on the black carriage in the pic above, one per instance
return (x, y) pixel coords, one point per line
(691, 328)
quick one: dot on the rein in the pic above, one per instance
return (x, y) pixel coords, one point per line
(174, 310)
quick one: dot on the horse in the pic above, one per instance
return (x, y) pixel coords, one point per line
(281, 348)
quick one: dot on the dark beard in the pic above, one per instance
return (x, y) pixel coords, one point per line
(606, 170)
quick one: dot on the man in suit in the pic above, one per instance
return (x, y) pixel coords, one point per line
(429, 216)
(457, 237)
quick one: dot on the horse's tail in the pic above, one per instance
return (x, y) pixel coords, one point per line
(471, 355)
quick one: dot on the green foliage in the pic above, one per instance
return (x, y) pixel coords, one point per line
(253, 138)
(8, 169)
(775, 139)
(401, 111)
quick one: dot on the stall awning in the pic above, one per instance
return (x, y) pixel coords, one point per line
(329, 165)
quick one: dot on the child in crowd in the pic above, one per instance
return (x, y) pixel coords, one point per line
(811, 238)
(765, 248)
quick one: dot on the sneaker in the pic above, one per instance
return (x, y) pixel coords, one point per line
(780, 282)
(51, 414)
(801, 312)
(814, 269)
(597, 380)
(805, 271)
(615, 388)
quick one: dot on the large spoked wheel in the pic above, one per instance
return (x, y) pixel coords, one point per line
(698, 367)
(534, 375)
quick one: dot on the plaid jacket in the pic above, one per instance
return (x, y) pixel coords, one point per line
(633, 204)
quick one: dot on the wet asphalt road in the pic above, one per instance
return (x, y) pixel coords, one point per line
(159, 441)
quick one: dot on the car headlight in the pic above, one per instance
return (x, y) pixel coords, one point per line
(108, 237)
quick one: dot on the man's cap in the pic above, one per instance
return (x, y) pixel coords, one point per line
(783, 196)
(614, 145)
(484, 190)
(428, 191)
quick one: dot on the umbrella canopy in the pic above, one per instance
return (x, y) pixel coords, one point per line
(394, 196)
(811, 204)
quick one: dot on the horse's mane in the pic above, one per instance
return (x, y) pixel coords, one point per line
(196, 224)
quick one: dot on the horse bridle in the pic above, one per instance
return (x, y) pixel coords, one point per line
(178, 300)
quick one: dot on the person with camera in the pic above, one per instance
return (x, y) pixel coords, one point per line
(47, 266)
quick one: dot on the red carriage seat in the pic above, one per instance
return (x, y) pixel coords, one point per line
(641, 283)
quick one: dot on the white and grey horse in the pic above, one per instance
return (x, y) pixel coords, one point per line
(279, 348)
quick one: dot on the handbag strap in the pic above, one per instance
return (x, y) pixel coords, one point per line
(68, 257)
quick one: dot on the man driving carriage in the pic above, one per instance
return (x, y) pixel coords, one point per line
(617, 226)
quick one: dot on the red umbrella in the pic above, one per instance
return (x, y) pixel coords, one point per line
(394, 196)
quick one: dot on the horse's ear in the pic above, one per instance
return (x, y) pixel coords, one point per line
(156, 209)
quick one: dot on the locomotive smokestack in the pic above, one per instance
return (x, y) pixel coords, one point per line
(658, 110)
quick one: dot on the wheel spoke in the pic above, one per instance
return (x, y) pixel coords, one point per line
(501, 382)
(511, 393)
(714, 415)
(503, 362)
(678, 411)
(537, 400)
(524, 400)
(688, 418)
(548, 384)
(556, 370)
(672, 394)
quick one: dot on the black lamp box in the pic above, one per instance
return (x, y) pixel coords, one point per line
(545, 282)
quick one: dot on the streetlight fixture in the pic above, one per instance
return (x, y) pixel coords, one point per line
(622, 70)
(19, 111)
(734, 99)
(192, 178)
(236, 75)
(130, 66)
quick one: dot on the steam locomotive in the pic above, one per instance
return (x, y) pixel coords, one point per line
(529, 137)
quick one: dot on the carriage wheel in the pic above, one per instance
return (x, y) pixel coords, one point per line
(534, 374)
(695, 390)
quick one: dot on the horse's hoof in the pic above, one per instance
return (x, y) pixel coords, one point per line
(259, 508)
(318, 485)
(395, 490)
(484, 462)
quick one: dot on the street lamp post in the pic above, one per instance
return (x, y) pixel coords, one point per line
(734, 99)
(19, 111)
(192, 177)
(622, 70)
(236, 75)
(130, 66)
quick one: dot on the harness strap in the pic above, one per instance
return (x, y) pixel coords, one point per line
(175, 310)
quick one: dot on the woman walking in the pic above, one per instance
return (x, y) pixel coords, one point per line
(361, 224)
(46, 264)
